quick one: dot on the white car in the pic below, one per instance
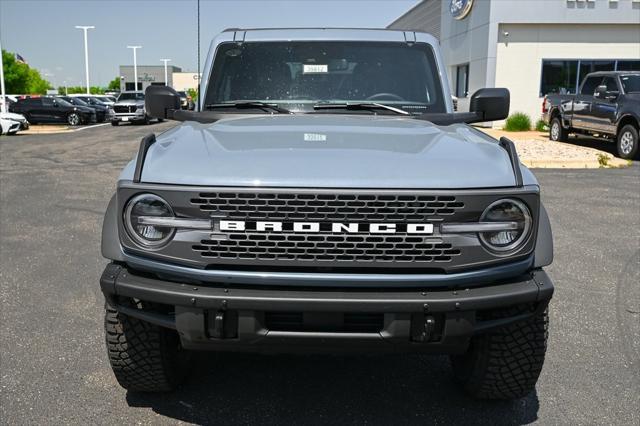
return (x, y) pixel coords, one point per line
(11, 123)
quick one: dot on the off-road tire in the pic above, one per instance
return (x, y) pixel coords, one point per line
(627, 142)
(144, 357)
(505, 363)
(115, 123)
(557, 133)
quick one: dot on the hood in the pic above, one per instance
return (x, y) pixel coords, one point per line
(12, 116)
(341, 151)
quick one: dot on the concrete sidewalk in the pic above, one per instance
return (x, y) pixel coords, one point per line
(536, 150)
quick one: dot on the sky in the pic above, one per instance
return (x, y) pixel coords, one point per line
(43, 31)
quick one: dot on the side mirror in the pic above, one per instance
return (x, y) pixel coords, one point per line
(490, 104)
(601, 92)
(161, 101)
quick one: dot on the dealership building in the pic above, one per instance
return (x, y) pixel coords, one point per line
(531, 47)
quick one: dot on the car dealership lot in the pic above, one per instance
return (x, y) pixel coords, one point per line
(54, 190)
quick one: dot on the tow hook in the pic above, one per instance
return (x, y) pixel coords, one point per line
(428, 328)
(218, 326)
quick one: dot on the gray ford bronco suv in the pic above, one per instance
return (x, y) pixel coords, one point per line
(324, 196)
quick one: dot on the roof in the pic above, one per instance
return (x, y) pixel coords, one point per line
(613, 72)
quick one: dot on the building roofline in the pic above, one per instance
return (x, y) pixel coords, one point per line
(405, 13)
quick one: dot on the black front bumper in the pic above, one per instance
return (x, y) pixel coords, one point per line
(209, 317)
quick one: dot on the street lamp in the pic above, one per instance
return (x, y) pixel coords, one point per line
(166, 78)
(3, 100)
(135, 66)
(86, 52)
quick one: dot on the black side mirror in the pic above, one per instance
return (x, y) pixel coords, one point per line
(490, 104)
(161, 101)
(601, 92)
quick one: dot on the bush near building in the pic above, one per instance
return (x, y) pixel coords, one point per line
(541, 126)
(517, 122)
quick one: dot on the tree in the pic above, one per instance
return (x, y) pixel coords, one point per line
(19, 78)
(114, 84)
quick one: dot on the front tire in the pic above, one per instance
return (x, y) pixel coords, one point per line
(115, 123)
(557, 132)
(505, 363)
(627, 142)
(73, 119)
(144, 357)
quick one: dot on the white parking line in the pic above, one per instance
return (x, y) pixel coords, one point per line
(90, 127)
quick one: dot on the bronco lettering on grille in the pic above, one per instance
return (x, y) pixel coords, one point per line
(332, 227)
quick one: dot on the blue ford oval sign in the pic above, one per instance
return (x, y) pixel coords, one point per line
(460, 8)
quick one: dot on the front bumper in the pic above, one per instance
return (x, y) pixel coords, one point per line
(222, 317)
(137, 116)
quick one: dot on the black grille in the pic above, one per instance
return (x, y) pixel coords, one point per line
(318, 207)
(350, 322)
(327, 248)
(124, 109)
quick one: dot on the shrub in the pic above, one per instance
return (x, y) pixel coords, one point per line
(541, 126)
(517, 122)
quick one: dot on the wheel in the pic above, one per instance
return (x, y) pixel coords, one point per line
(29, 119)
(627, 142)
(145, 121)
(115, 123)
(505, 363)
(557, 132)
(160, 120)
(144, 357)
(73, 119)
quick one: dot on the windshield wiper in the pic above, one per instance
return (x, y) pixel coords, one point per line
(250, 105)
(359, 106)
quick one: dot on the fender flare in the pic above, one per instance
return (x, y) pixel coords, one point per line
(110, 245)
(543, 255)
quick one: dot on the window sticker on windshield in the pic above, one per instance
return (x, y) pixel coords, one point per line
(314, 68)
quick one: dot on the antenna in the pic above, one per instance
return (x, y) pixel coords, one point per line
(198, 72)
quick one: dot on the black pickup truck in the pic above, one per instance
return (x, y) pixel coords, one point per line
(607, 106)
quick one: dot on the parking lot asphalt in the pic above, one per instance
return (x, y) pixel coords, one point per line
(53, 365)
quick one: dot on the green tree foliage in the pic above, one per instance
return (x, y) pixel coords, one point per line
(19, 78)
(95, 90)
(114, 84)
(193, 93)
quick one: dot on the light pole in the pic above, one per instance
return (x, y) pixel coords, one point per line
(166, 78)
(86, 52)
(3, 101)
(135, 66)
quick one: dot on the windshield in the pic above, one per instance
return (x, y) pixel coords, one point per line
(182, 94)
(131, 96)
(298, 75)
(630, 83)
(75, 101)
(62, 102)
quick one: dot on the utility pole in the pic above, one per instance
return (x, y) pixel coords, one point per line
(166, 78)
(86, 52)
(3, 104)
(135, 66)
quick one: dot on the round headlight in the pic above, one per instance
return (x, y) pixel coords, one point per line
(148, 205)
(506, 210)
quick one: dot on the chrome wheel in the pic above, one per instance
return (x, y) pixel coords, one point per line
(626, 143)
(555, 130)
(73, 119)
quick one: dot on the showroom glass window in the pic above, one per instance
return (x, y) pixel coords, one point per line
(565, 76)
(462, 81)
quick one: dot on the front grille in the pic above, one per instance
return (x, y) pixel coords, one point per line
(323, 250)
(327, 248)
(120, 109)
(318, 207)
